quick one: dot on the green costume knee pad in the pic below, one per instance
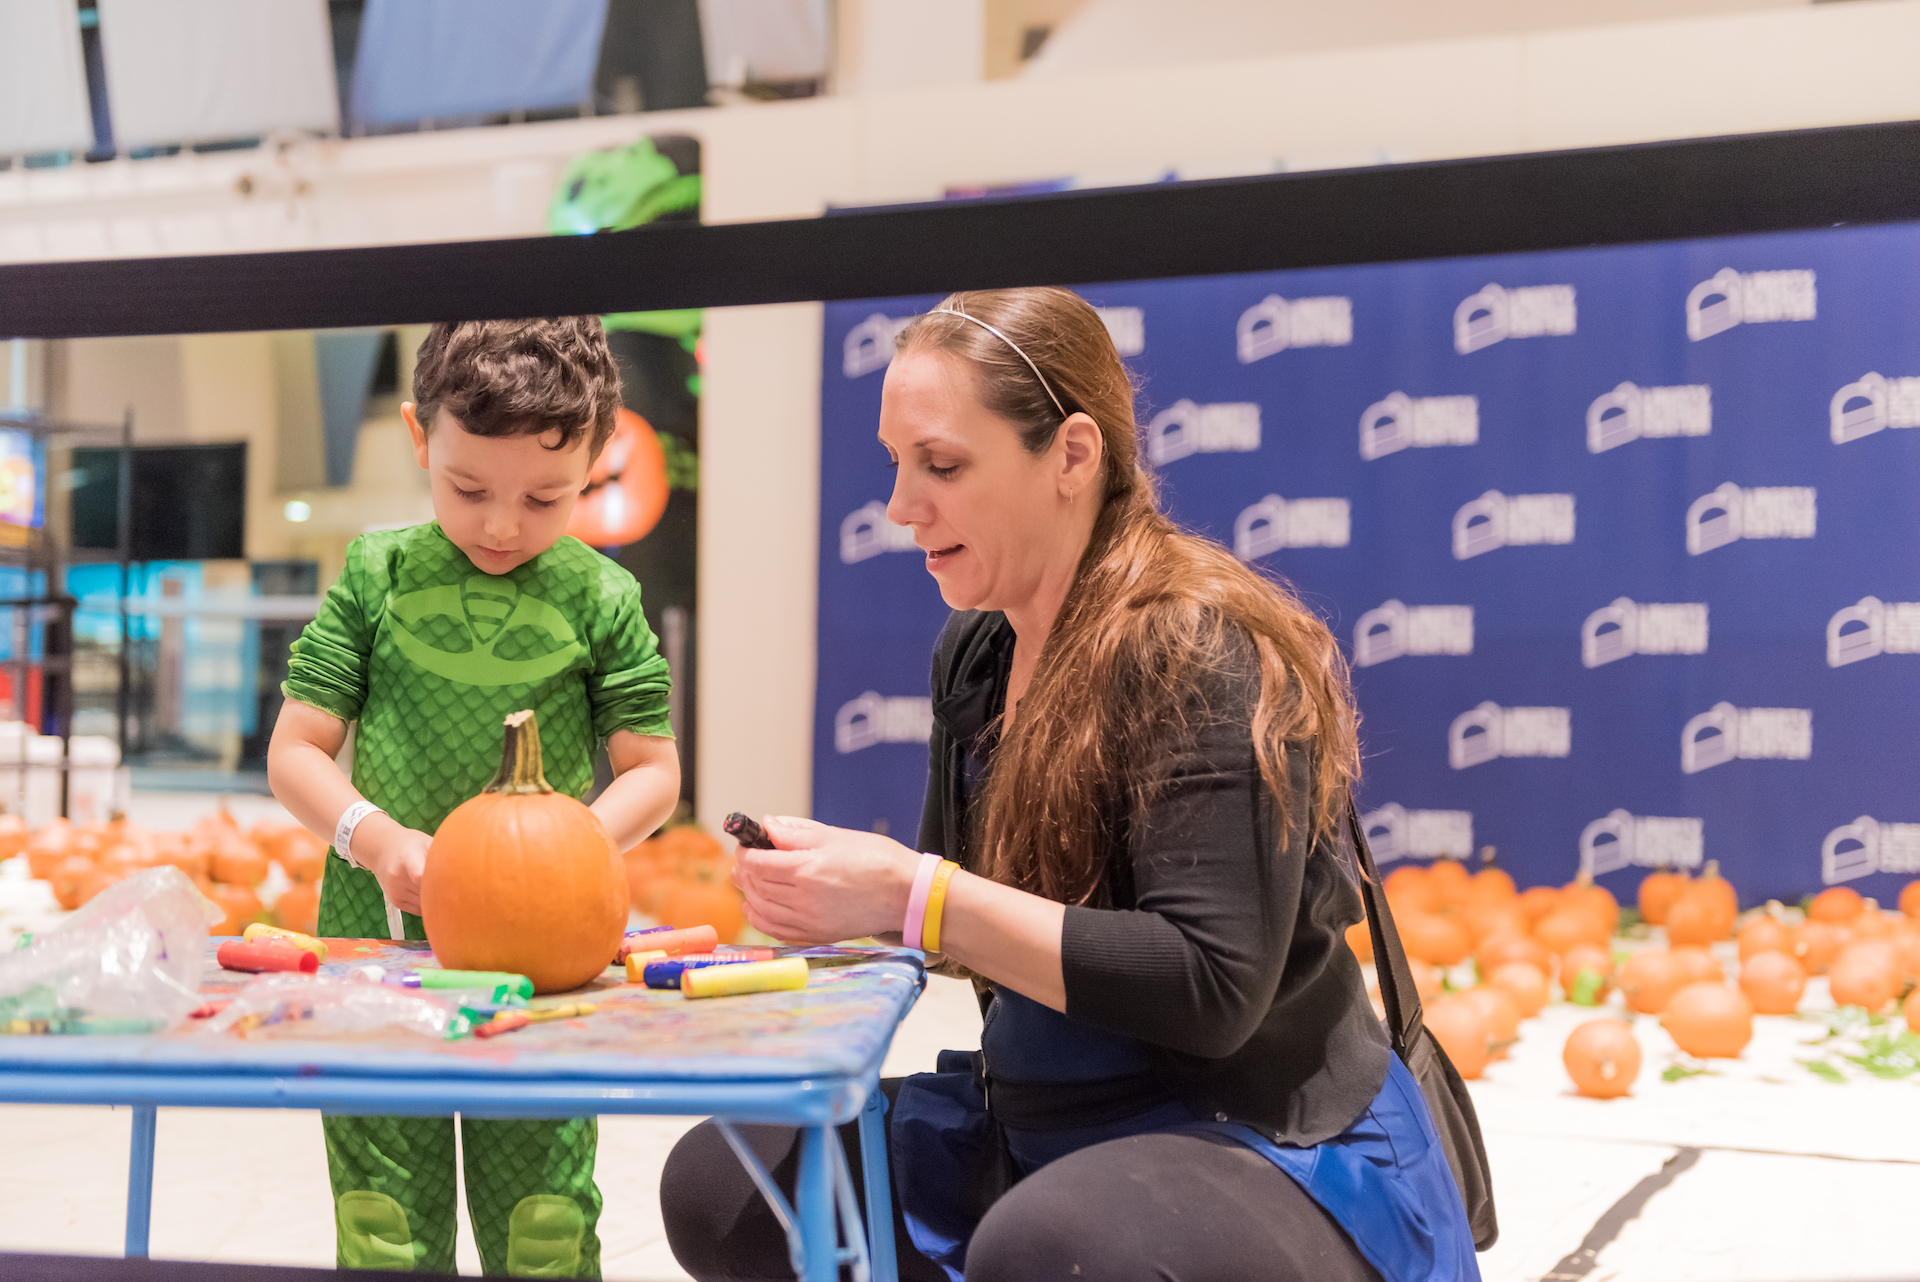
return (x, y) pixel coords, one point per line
(544, 1235)
(371, 1232)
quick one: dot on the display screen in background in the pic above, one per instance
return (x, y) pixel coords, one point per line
(22, 497)
(189, 501)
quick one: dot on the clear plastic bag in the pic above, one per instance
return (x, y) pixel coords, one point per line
(288, 1005)
(130, 961)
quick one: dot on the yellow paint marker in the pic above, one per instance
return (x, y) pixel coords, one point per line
(305, 943)
(637, 964)
(745, 977)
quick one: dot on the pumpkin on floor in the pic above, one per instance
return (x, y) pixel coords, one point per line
(524, 879)
(1502, 1014)
(1709, 1021)
(1435, 938)
(1602, 1057)
(1816, 944)
(1773, 982)
(1865, 975)
(1586, 973)
(1910, 899)
(1649, 979)
(1697, 965)
(1658, 891)
(1525, 983)
(1837, 904)
(1462, 1032)
(1765, 934)
(241, 906)
(298, 908)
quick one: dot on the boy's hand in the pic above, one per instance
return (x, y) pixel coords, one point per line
(397, 857)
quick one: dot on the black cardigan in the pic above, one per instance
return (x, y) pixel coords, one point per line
(1226, 958)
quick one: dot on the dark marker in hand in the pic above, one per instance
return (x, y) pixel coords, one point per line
(747, 832)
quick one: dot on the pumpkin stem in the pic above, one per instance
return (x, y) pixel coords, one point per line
(1486, 856)
(520, 774)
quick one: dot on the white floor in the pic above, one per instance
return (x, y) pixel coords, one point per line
(1795, 1179)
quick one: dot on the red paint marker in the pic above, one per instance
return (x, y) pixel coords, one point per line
(265, 955)
(694, 939)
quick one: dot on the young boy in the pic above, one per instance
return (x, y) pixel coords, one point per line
(431, 636)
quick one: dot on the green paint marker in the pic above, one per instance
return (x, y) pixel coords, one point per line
(504, 983)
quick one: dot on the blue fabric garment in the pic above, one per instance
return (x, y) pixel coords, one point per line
(1385, 1180)
(443, 59)
(1027, 1042)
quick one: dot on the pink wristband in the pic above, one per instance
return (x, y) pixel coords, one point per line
(917, 900)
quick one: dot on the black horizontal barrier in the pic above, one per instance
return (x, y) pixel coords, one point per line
(1549, 200)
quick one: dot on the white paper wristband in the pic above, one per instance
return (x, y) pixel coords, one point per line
(343, 831)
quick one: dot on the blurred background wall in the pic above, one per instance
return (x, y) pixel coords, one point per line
(800, 107)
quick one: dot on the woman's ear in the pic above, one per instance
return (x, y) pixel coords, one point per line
(1081, 452)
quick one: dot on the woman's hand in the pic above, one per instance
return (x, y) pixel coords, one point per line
(824, 884)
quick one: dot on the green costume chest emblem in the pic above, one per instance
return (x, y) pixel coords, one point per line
(485, 632)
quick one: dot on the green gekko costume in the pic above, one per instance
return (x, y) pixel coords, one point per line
(429, 655)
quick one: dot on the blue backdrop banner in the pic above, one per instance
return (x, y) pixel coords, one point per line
(1623, 543)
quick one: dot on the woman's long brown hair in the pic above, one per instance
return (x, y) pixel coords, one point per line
(1151, 612)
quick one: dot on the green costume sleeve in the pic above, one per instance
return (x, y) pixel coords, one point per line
(627, 688)
(329, 662)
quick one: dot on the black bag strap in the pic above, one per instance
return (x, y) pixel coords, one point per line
(1397, 991)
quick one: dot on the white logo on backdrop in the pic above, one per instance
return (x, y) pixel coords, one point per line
(1127, 327)
(1626, 628)
(1872, 627)
(1273, 325)
(1394, 832)
(1493, 314)
(1883, 403)
(1629, 413)
(872, 718)
(1725, 733)
(1183, 428)
(1400, 422)
(1875, 847)
(869, 344)
(1762, 512)
(866, 532)
(1623, 840)
(1274, 523)
(1394, 630)
(1748, 298)
(1491, 731)
(1496, 520)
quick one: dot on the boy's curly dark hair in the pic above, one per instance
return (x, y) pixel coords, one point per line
(520, 378)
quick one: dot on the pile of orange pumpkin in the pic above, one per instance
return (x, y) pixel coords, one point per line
(683, 877)
(1522, 943)
(78, 861)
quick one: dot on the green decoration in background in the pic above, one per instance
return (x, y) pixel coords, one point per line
(619, 189)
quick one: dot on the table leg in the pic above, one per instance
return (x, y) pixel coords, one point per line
(813, 1207)
(140, 1179)
(873, 1161)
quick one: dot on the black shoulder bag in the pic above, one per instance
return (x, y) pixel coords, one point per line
(1447, 1098)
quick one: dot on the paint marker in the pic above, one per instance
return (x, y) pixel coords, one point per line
(754, 977)
(746, 832)
(666, 972)
(637, 964)
(511, 1021)
(693, 939)
(266, 955)
(504, 983)
(307, 943)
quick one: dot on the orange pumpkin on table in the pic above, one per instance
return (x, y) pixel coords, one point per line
(1449, 883)
(74, 880)
(1408, 892)
(524, 879)
(238, 862)
(1602, 1057)
(1492, 882)
(1912, 1011)
(302, 855)
(1360, 940)
(1582, 893)
(1562, 929)
(1502, 949)
(1586, 968)
(1537, 901)
(703, 897)
(1910, 899)
(1773, 982)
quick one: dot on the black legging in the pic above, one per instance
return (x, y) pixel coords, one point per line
(1150, 1208)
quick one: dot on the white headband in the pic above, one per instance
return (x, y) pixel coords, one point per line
(1044, 385)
